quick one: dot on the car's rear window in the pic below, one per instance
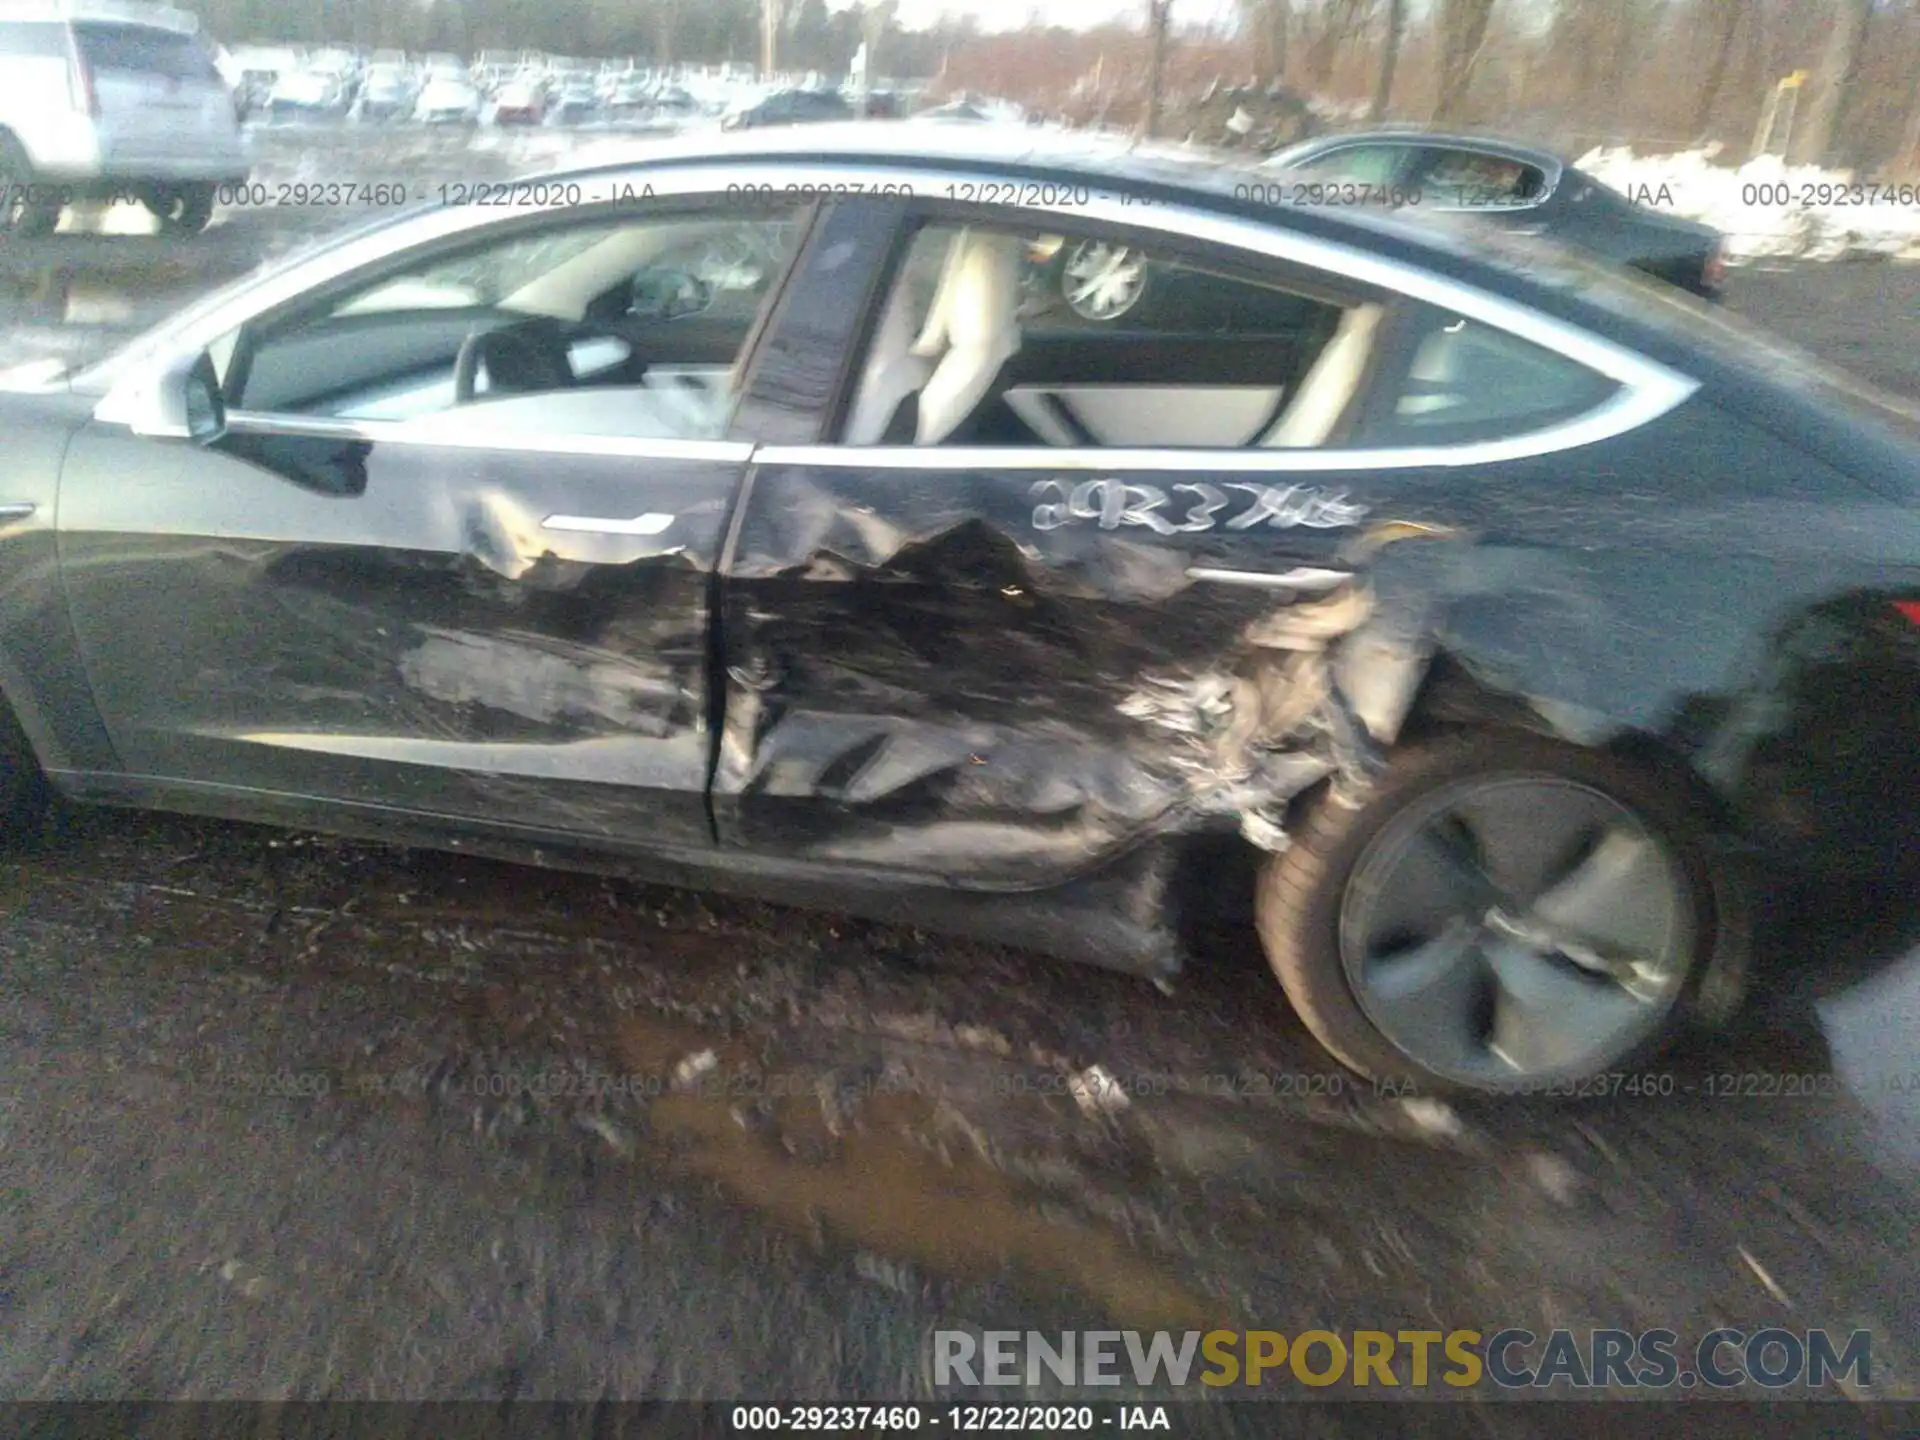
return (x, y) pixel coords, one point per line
(144, 50)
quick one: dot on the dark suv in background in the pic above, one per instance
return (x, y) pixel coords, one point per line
(792, 107)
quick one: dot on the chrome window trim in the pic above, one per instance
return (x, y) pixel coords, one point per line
(403, 432)
(1309, 578)
(1648, 389)
(1629, 409)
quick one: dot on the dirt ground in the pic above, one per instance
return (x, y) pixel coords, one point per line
(283, 1118)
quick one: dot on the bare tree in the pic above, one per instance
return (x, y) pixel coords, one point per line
(1908, 160)
(1815, 136)
(1630, 25)
(1159, 16)
(1389, 58)
(666, 16)
(1332, 24)
(1269, 24)
(1723, 19)
(1463, 39)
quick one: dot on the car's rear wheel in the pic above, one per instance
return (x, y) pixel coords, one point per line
(1503, 915)
(28, 207)
(181, 209)
(23, 789)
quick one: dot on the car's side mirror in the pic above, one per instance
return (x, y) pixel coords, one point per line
(181, 402)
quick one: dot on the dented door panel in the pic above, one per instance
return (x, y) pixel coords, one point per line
(493, 634)
(1002, 677)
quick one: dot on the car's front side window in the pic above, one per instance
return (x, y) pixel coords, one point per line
(630, 326)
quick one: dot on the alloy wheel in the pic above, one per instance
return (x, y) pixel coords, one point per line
(1103, 282)
(1511, 932)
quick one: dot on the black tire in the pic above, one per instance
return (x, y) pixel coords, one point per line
(181, 209)
(28, 207)
(1302, 893)
(23, 789)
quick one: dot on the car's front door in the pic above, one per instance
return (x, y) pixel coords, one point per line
(1014, 622)
(454, 554)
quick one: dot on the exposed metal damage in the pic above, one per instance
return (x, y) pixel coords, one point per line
(1324, 682)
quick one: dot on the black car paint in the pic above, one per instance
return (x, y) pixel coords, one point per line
(911, 692)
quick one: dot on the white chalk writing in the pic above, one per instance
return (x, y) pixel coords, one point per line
(1190, 508)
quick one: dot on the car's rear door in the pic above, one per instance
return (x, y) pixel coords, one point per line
(997, 653)
(495, 611)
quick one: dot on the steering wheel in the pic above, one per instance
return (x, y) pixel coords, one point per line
(533, 355)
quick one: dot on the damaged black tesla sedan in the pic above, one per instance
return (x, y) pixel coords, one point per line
(743, 518)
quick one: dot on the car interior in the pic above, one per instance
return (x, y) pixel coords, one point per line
(626, 329)
(1473, 178)
(972, 349)
(636, 328)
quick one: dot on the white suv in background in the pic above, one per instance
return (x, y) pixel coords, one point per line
(111, 100)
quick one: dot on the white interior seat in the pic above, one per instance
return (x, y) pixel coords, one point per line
(892, 372)
(1330, 384)
(972, 330)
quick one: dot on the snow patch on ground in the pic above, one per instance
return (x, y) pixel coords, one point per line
(1767, 208)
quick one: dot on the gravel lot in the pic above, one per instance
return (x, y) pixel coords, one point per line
(291, 1119)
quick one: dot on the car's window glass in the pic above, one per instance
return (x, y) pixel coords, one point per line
(1080, 338)
(1470, 179)
(42, 39)
(629, 328)
(144, 50)
(1468, 381)
(1359, 164)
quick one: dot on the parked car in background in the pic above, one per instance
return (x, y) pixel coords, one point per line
(629, 98)
(101, 102)
(387, 92)
(251, 71)
(791, 107)
(1512, 186)
(675, 100)
(574, 104)
(448, 99)
(1477, 621)
(961, 109)
(518, 102)
(305, 95)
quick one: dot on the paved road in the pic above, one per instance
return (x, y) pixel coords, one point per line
(287, 1118)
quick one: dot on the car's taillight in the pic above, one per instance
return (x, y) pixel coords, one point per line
(80, 82)
(1909, 608)
(1714, 273)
